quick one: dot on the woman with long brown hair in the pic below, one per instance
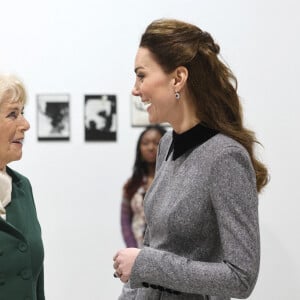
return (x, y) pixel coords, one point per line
(202, 239)
(132, 212)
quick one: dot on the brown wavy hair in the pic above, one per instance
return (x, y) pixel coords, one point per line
(212, 84)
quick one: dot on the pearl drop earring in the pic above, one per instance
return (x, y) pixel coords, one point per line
(177, 95)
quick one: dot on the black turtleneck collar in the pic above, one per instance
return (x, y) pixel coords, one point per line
(187, 140)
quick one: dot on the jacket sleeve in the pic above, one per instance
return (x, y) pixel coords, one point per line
(126, 221)
(40, 286)
(233, 196)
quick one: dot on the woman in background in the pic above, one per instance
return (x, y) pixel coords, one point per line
(21, 247)
(132, 211)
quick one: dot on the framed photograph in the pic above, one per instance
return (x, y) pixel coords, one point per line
(53, 117)
(100, 117)
(139, 114)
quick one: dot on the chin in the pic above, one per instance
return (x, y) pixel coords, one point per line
(16, 158)
(154, 120)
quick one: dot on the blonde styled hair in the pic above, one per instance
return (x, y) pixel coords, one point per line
(12, 89)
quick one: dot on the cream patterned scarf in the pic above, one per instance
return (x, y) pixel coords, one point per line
(5, 192)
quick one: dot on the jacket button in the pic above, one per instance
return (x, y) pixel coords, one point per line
(154, 286)
(25, 274)
(22, 247)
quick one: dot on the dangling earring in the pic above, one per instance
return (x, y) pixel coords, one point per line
(177, 95)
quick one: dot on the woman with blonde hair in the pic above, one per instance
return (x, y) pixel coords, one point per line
(21, 246)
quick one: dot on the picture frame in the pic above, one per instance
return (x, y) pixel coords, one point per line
(139, 114)
(100, 117)
(53, 117)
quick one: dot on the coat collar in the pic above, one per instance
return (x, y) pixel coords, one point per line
(190, 139)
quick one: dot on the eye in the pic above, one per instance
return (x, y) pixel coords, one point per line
(140, 76)
(12, 115)
(144, 143)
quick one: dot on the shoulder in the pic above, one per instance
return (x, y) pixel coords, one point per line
(17, 177)
(21, 185)
(127, 182)
(221, 154)
(221, 145)
(230, 158)
(221, 141)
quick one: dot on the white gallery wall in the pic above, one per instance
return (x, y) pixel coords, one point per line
(88, 47)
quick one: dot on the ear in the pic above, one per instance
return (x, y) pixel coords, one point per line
(180, 78)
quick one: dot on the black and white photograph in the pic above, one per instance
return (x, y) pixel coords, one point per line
(100, 117)
(139, 115)
(53, 117)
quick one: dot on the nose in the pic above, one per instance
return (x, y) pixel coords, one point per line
(24, 124)
(135, 91)
(152, 147)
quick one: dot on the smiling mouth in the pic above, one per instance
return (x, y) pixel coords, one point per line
(20, 141)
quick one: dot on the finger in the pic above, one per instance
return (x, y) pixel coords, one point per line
(124, 278)
(117, 274)
(115, 256)
(116, 265)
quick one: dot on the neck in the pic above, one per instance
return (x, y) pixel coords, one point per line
(151, 170)
(185, 125)
(184, 117)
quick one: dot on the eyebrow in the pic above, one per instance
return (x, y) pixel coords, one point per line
(137, 68)
(15, 106)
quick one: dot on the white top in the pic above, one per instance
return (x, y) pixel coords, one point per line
(5, 192)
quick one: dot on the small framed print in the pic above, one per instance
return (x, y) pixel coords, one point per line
(100, 117)
(53, 117)
(139, 114)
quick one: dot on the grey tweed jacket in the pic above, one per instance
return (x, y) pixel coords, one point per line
(202, 239)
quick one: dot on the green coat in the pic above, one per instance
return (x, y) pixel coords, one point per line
(21, 247)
